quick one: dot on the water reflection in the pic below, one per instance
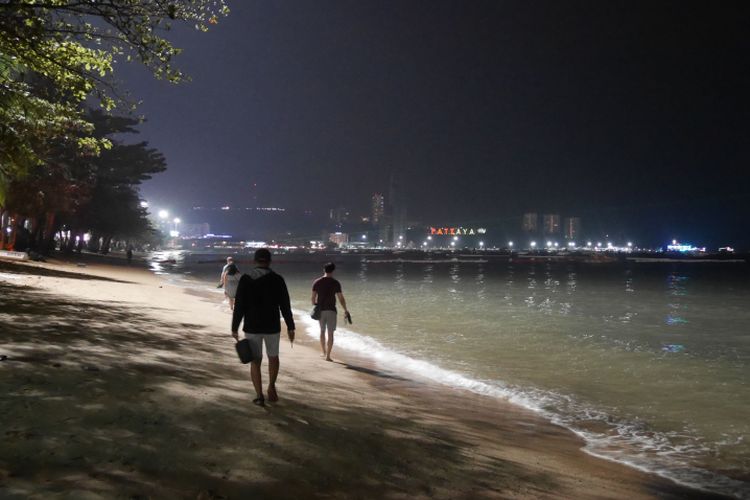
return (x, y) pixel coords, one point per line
(428, 273)
(676, 288)
(479, 280)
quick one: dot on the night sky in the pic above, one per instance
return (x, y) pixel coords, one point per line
(632, 115)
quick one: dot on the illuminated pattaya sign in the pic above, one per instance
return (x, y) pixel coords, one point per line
(457, 231)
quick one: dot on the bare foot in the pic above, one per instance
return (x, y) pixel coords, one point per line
(329, 358)
(272, 396)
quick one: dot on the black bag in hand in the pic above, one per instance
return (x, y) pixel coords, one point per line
(315, 313)
(244, 351)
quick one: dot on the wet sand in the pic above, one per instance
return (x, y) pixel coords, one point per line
(117, 384)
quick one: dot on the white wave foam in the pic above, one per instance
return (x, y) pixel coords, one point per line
(625, 442)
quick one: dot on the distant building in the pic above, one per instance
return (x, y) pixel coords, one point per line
(338, 238)
(551, 224)
(530, 223)
(572, 228)
(378, 209)
(397, 208)
(195, 230)
(338, 215)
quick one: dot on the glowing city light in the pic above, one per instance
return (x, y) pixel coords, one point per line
(163, 214)
(429, 238)
(571, 244)
(630, 244)
(549, 244)
(177, 220)
(364, 236)
(532, 244)
(455, 238)
(481, 243)
(144, 204)
(598, 244)
(510, 244)
(453, 243)
(588, 243)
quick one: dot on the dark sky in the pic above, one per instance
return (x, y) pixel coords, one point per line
(633, 115)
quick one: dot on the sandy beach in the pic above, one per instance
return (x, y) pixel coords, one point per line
(118, 384)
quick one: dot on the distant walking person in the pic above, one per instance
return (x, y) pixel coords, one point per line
(261, 294)
(324, 292)
(230, 280)
(230, 261)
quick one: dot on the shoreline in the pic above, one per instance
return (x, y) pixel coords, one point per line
(486, 447)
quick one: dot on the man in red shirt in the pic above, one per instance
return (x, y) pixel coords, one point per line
(324, 292)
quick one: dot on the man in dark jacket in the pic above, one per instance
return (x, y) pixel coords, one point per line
(261, 294)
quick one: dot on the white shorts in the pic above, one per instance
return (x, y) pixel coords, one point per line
(327, 321)
(256, 344)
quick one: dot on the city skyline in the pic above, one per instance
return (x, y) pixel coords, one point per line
(627, 116)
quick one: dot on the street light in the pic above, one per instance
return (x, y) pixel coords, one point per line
(481, 244)
(364, 236)
(177, 220)
(532, 244)
(144, 204)
(163, 214)
(429, 238)
(510, 244)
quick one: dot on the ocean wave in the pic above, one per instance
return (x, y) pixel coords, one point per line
(629, 443)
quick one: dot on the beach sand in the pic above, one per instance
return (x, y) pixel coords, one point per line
(117, 384)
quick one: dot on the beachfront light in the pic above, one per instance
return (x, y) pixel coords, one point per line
(598, 244)
(532, 244)
(455, 238)
(364, 236)
(177, 220)
(401, 237)
(571, 244)
(174, 234)
(144, 204)
(588, 243)
(453, 243)
(549, 244)
(163, 214)
(630, 244)
(555, 244)
(429, 238)
(510, 244)
(481, 243)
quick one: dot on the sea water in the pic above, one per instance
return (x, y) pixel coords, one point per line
(650, 363)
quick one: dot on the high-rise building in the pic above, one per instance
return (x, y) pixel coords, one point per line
(530, 223)
(397, 208)
(572, 228)
(338, 215)
(551, 224)
(378, 209)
